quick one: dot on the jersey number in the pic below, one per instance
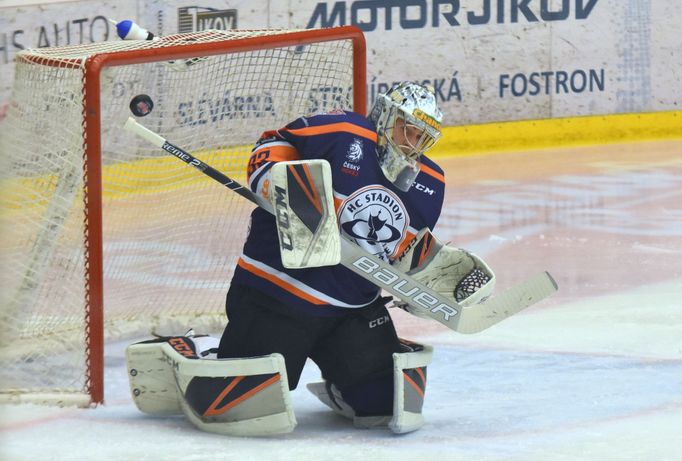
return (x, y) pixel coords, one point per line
(256, 160)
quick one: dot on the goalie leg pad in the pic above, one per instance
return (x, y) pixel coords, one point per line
(409, 382)
(244, 397)
(150, 374)
(409, 373)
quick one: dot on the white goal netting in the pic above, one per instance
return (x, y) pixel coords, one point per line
(170, 235)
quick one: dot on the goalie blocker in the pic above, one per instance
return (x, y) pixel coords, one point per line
(302, 198)
(245, 397)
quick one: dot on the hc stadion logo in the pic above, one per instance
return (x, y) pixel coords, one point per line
(197, 18)
(376, 219)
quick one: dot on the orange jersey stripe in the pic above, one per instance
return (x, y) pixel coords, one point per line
(280, 283)
(336, 127)
(431, 172)
(282, 153)
(270, 154)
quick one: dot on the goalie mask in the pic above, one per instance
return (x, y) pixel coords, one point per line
(407, 119)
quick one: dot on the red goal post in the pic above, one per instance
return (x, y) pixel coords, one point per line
(71, 171)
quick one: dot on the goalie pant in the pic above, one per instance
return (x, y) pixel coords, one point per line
(249, 396)
(354, 351)
(371, 211)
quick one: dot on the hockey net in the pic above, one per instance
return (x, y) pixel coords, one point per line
(105, 238)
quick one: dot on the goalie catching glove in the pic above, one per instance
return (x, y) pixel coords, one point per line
(452, 272)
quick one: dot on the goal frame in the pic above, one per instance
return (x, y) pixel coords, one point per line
(92, 147)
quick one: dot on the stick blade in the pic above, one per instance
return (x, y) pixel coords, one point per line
(132, 126)
(481, 316)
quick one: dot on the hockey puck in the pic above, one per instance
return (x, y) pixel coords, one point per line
(141, 105)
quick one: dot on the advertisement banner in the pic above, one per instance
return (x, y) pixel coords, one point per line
(487, 60)
(55, 24)
(498, 60)
(165, 17)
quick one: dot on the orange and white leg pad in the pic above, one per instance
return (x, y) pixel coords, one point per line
(409, 386)
(244, 397)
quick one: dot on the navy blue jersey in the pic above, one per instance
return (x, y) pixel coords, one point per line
(371, 211)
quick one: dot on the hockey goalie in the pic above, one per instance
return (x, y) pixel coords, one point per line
(322, 181)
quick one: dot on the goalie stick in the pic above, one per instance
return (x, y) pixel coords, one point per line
(446, 311)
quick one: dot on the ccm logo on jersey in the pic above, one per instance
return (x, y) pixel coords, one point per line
(413, 295)
(380, 321)
(423, 188)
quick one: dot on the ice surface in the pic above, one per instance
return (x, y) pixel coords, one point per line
(595, 373)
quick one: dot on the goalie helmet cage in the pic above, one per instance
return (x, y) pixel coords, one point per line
(106, 237)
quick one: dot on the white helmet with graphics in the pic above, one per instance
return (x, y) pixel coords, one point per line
(408, 120)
